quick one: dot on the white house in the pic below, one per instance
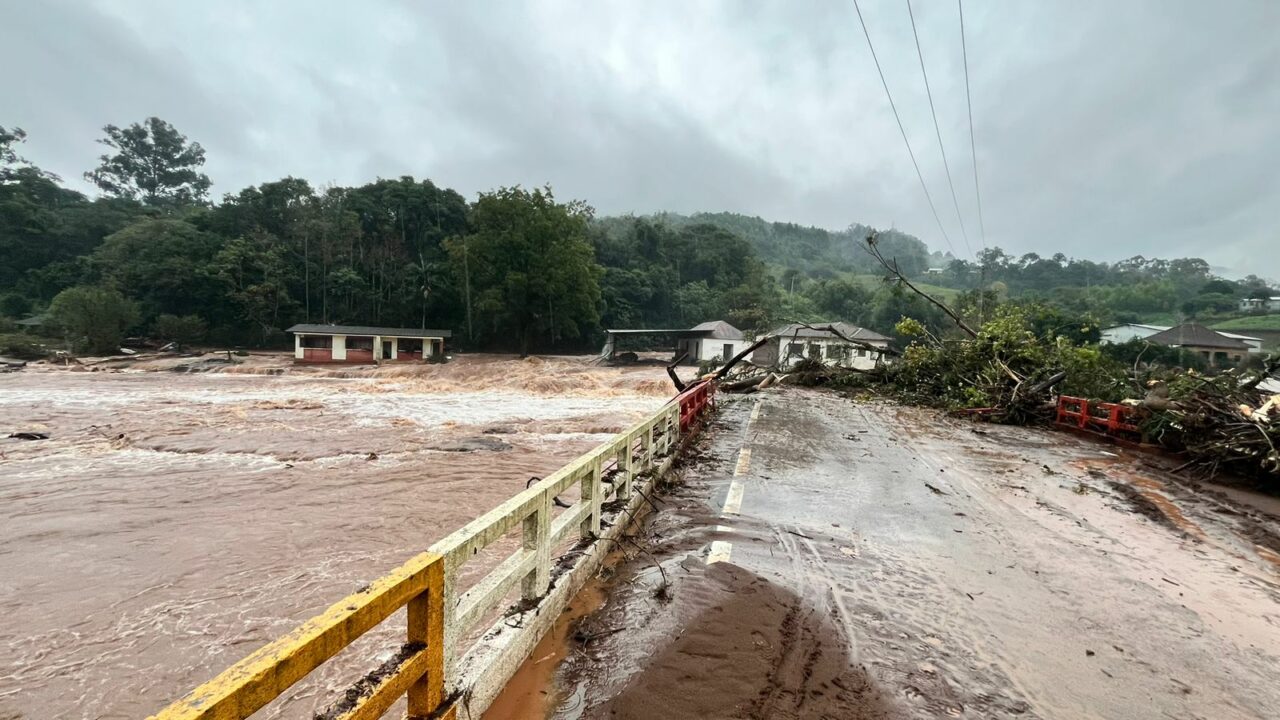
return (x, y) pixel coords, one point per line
(1132, 331)
(1271, 304)
(717, 340)
(357, 344)
(789, 343)
(712, 341)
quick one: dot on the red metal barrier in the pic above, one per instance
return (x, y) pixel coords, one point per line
(694, 401)
(1099, 417)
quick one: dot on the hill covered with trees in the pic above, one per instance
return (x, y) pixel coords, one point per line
(513, 269)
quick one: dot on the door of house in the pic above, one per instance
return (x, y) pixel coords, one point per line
(386, 349)
(728, 351)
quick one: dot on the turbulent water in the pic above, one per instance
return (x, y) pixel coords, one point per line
(174, 522)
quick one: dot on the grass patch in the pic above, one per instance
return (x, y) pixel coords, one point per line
(21, 346)
(1252, 322)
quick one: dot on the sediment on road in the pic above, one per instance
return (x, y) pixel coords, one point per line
(892, 562)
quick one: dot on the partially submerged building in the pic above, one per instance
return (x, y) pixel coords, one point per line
(357, 344)
(712, 341)
(789, 343)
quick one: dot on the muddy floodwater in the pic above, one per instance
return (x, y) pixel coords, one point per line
(174, 522)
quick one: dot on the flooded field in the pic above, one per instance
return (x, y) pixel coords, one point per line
(174, 522)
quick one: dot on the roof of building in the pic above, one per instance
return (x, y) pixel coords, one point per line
(715, 329)
(360, 330)
(1236, 336)
(719, 330)
(850, 331)
(1157, 328)
(1195, 335)
(32, 321)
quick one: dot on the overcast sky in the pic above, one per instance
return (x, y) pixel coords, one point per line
(1104, 129)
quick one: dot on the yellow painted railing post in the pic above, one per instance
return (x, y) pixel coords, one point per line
(426, 627)
(537, 539)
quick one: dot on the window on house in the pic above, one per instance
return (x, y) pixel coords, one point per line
(795, 349)
(360, 343)
(815, 351)
(317, 341)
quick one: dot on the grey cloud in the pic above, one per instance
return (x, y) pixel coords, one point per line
(1104, 129)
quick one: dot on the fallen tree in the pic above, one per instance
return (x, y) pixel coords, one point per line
(1006, 371)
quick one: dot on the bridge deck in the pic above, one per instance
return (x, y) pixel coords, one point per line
(832, 558)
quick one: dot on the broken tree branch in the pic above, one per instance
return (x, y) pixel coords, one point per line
(893, 268)
(738, 358)
(671, 371)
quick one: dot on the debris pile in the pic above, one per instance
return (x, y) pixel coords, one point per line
(1221, 422)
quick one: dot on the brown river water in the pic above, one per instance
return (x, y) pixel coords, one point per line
(172, 523)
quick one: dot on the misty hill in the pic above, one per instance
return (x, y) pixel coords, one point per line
(817, 252)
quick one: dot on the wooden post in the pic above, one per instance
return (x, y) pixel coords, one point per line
(537, 538)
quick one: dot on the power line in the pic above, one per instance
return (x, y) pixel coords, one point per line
(902, 129)
(945, 165)
(972, 146)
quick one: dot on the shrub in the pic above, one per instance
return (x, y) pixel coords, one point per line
(184, 330)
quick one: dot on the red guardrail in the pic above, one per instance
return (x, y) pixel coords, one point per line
(694, 401)
(1099, 417)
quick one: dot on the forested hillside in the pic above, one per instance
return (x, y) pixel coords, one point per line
(512, 269)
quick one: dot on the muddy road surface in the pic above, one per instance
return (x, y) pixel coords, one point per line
(174, 522)
(830, 558)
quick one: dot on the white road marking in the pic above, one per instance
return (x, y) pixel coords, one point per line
(720, 551)
(733, 501)
(723, 528)
(744, 462)
(755, 411)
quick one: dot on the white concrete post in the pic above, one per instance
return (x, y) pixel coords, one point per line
(377, 349)
(592, 495)
(298, 354)
(537, 538)
(626, 469)
(646, 453)
(451, 630)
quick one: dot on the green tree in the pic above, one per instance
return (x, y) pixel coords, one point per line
(151, 162)
(257, 272)
(163, 264)
(529, 267)
(184, 330)
(93, 318)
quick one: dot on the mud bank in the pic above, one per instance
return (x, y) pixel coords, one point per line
(891, 562)
(211, 512)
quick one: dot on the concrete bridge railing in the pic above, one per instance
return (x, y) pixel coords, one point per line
(440, 677)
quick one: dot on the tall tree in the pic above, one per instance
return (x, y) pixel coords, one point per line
(151, 162)
(532, 269)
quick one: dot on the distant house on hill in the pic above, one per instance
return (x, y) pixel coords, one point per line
(1117, 334)
(1216, 347)
(1268, 304)
(359, 344)
(789, 343)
